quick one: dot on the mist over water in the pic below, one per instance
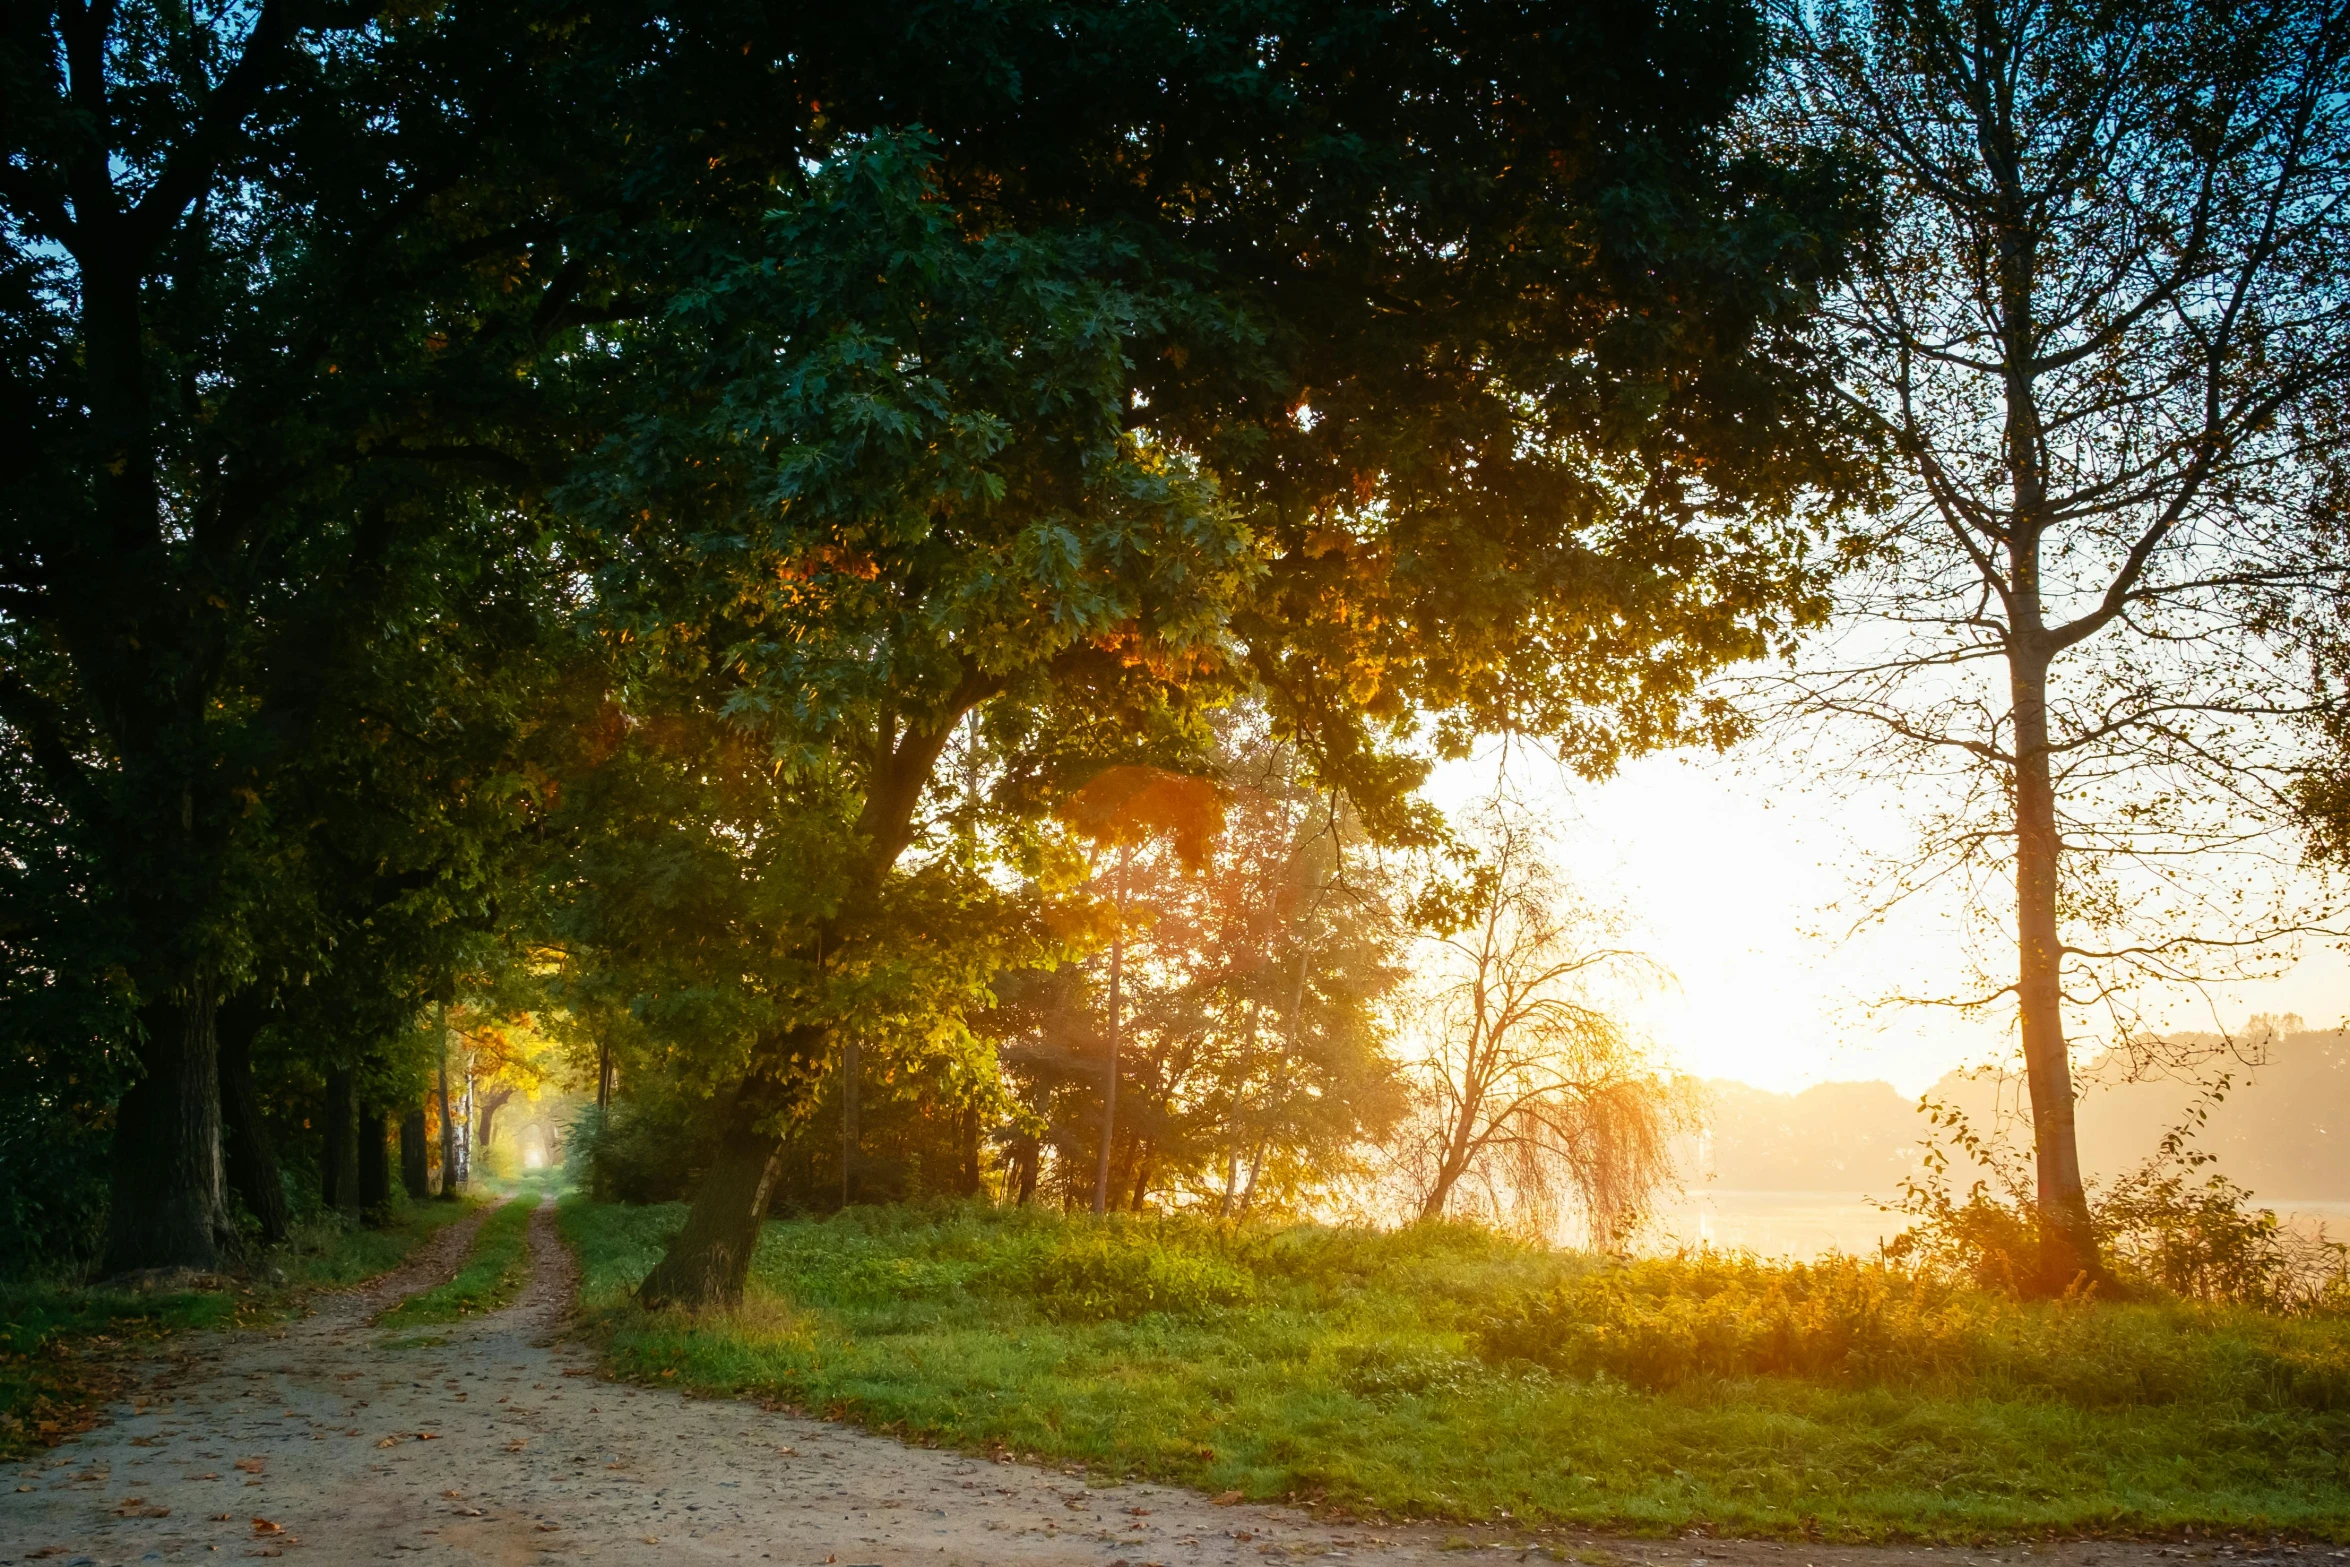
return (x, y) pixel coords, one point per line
(1803, 1225)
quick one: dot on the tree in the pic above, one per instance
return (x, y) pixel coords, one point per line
(894, 485)
(1479, 463)
(1117, 809)
(2105, 330)
(1529, 1091)
(268, 276)
(1264, 1004)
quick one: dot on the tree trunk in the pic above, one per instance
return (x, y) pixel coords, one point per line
(1142, 1178)
(1101, 1174)
(848, 1122)
(1457, 1148)
(450, 1181)
(604, 1076)
(2068, 1238)
(170, 1198)
(415, 1158)
(710, 1258)
(1031, 1158)
(252, 1163)
(375, 1160)
(338, 1166)
(971, 1174)
(491, 1104)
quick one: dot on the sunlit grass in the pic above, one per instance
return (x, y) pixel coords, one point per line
(59, 1343)
(494, 1270)
(1347, 1374)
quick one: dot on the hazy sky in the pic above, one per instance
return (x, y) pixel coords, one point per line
(1732, 875)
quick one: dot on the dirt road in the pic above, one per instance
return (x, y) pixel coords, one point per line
(490, 1442)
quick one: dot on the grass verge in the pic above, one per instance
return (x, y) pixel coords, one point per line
(61, 1345)
(492, 1274)
(1340, 1367)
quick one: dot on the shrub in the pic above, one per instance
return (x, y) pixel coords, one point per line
(2164, 1231)
(644, 1149)
(2206, 1241)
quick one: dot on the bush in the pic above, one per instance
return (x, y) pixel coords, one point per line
(2206, 1241)
(2166, 1232)
(641, 1150)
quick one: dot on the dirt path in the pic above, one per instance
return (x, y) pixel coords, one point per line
(490, 1442)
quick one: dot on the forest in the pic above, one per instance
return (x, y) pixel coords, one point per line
(844, 614)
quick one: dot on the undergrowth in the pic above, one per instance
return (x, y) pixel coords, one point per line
(1444, 1372)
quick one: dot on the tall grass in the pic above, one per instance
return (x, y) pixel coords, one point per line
(1438, 1372)
(1667, 1323)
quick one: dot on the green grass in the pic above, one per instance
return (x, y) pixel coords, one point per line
(1340, 1366)
(59, 1344)
(493, 1273)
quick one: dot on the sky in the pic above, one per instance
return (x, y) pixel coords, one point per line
(1732, 876)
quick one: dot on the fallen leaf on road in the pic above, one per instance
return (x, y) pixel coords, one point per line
(251, 1466)
(220, 1517)
(428, 1436)
(264, 1526)
(1227, 1499)
(517, 1445)
(389, 1441)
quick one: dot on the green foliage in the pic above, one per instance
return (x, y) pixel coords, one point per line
(1349, 1375)
(495, 1268)
(65, 1025)
(641, 1149)
(1346, 356)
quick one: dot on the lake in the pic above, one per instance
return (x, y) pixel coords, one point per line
(1805, 1224)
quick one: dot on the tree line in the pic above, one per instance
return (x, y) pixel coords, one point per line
(789, 546)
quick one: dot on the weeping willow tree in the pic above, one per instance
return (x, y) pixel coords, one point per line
(1533, 1099)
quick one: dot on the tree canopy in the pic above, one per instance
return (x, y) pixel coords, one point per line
(541, 490)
